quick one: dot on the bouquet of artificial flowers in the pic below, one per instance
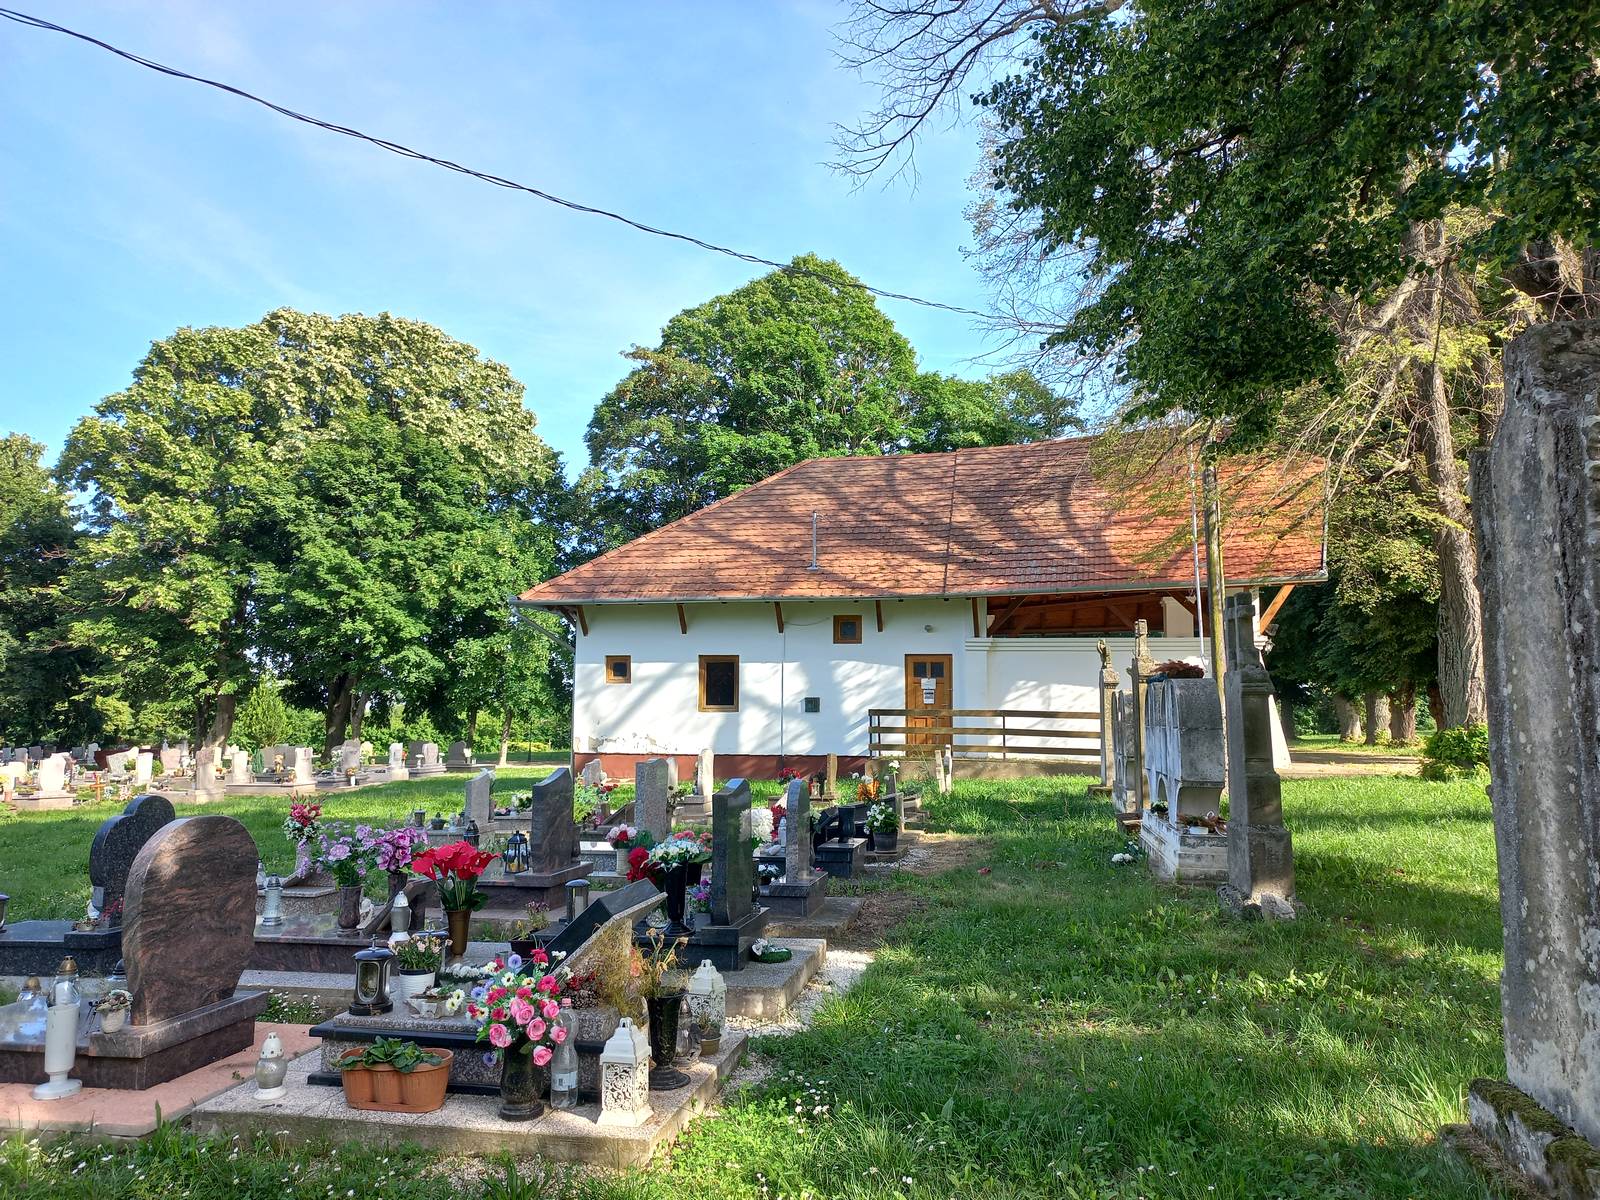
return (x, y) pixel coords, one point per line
(455, 868)
(303, 823)
(517, 1005)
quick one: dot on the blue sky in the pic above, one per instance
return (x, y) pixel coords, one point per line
(132, 204)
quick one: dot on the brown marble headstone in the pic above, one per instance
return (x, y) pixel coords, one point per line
(189, 914)
(117, 844)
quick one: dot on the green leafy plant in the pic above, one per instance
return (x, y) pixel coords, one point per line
(398, 1053)
(420, 953)
(1461, 751)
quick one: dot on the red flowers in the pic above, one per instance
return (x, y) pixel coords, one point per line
(638, 865)
(460, 860)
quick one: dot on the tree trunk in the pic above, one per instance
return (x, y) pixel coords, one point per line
(505, 737)
(1460, 606)
(1349, 719)
(358, 712)
(472, 730)
(1403, 714)
(338, 714)
(221, 726)
(1286, 715)
(1435, 704)
(1377, 719)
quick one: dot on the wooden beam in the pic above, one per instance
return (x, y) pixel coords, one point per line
(583, 621)
(1006, 614)
(977, 628)
(777, 610)
(1272, 609)
(683, 620)
(878, 605)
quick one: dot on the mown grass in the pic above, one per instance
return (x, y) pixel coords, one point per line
(1061, 1027)
(44, 857)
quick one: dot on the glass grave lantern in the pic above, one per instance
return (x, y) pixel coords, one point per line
(272, 902)
(708, 1004)
(473, 834)
(372, 981)
(272, 1068)
(625, 1076)
(516, 856)
(577, 898)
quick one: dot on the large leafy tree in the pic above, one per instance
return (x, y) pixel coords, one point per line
(300, 493)
(43, 696)
(800, 363)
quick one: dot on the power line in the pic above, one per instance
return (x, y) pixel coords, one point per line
(500, 181)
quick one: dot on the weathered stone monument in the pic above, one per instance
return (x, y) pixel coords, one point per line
(397, 763)
(349, 756)
(208, 785)
(1537, 512)
(1260, 852)
(651, 811)
(479, 806)
(592, 773)
(1183, 777)
(1108, 697)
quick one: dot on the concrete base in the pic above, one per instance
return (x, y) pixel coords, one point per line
(1549, 1155)
(468, 1124)
(52, 803)
(831, 918)
(727, 946)
(307, 944)
(802, 898)
(138, 1057)
(1184, 855)
(119, 1113)
(763, 991)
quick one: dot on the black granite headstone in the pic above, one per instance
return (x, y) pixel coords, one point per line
(553, 837)
(604, 907)
(732, 868)
(117, 844)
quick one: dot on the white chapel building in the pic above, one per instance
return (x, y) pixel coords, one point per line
(973, 586)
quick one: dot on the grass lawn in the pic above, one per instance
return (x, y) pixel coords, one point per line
(1056, 1027)
(44, 857)
(1331, 741)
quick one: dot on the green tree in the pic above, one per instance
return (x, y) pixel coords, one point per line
(43, 696)
(797, 364)
(264, 719)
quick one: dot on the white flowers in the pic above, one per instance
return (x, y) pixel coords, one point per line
(454, 1001)
(1121, 859)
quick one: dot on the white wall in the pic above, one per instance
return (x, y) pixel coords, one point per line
(658, 713)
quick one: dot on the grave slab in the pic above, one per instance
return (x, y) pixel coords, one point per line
(1183, 855)
(469, 1124)
(762, 991)
(829, 922)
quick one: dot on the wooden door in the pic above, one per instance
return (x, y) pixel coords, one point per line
(920, 667)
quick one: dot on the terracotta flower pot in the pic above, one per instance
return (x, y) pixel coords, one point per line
(383, 1089)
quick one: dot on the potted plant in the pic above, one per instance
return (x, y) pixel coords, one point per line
(661, 985)
(884, 826)
(394, 1075)
(416, 961)
(113, 1009)
(516, 1010)
(525, 942)
(455, 869)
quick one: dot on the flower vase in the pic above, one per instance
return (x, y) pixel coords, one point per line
(302, 861)
(663, 1012)
(521, 1086)
(409, 983)
(693, 872)
(397, 883)
(349, 905)
(460, 922)
(675, 883)
(622, 859)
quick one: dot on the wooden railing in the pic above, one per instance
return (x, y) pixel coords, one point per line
(897, 732)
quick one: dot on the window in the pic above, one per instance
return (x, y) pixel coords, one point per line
(619, 668)
(847, 631)
(719, 683)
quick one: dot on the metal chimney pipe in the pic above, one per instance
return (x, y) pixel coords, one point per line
(813, 566)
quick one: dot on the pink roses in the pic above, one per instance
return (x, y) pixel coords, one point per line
(517, 1007)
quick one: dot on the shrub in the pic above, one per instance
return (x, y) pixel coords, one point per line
(1462, 751)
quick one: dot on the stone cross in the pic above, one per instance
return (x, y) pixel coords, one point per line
(1260, 853)
(553, 835)
(479, 806)
(117, 843)
(705, 775)
(1536, 505)
(188, 926)
(650, 794)
(1140, 669)
(732, 868)
(797, 831)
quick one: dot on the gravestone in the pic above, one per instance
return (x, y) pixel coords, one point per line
(171, 759)
(53, 775)
(1536, 505)
(801, 891)
(1183, 758)
(479, 807)
(672, 770)
(705, 774)
(650, 795)
(1140, 668)
(300, 764)
(239, 768)
(592, 773)
(1108, 697)
(460, 758)
(735, 921)
(117, 843)
(349, 756)
(188, 925)
(1260, 852)
(397, 763)
(553, 838)
(605, 909)
(207, 785)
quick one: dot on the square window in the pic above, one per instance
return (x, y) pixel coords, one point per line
(719, 683)
(619, 668)
(847, 630)
(813, 704)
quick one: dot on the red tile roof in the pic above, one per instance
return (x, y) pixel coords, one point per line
(996, 520)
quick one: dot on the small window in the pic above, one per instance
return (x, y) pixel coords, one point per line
(719, 683)
(619, 668)
(813, 704)
(847, 631)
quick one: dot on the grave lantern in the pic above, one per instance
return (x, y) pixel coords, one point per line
(625, 1076)
(372, 981)
(419, 817)
(399, 918)
(272, 902)
(516, 855)
(272, 1068)
(577, 898)
(471, 836)
(708, 1004)
(61, 1034)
